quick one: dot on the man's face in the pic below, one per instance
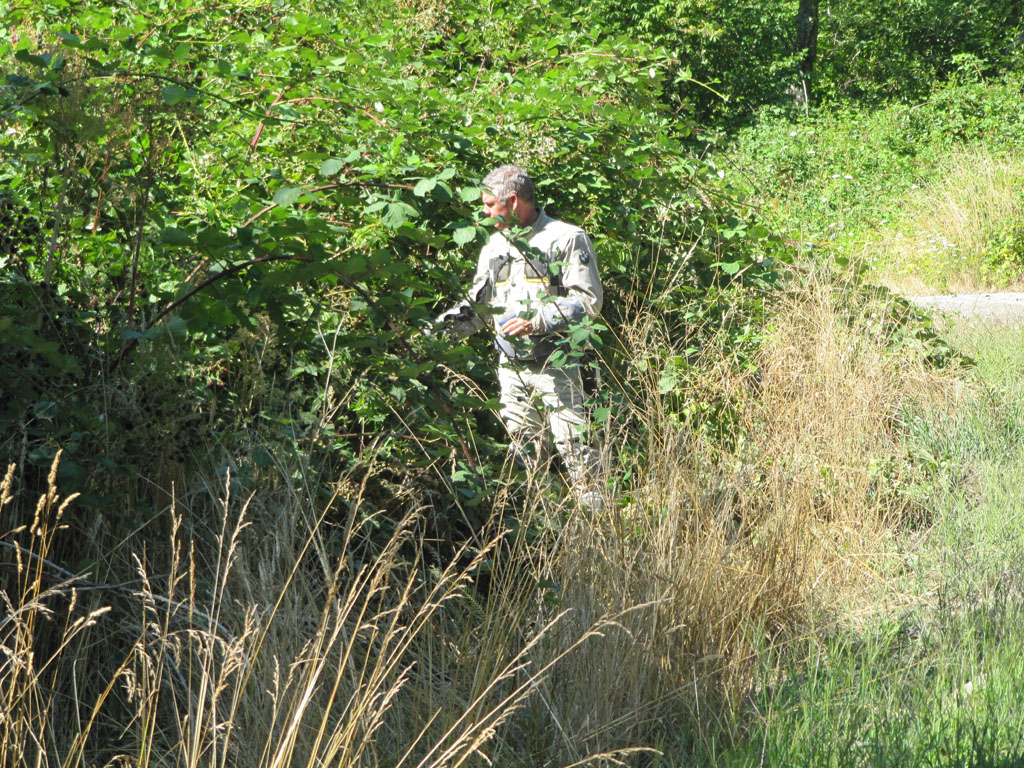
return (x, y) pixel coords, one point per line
(495, 208)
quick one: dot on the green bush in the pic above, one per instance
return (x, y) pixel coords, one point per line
(250, 233)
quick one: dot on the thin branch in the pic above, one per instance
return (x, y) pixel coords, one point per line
(140, 228)
(259, 128)
(99, 196)
(58, 220)
(130, 344)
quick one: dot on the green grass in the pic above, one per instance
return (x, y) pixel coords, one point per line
(926, 196)
(936, 676)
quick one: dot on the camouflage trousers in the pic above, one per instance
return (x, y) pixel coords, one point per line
(539, 400)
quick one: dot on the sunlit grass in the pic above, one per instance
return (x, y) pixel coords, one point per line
(960, 233)
(754, 587)
(935, 674)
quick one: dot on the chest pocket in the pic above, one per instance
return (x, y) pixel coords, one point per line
(504, 270)
(541, 272)
(536, 271)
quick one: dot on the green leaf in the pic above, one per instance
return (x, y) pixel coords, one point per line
(424, 187)
(211, 237)
(285, 196)
(730, 267)
(173, 94)
(31, 58)
(470, 194)
(558, 359)
(354, 266)
(175, 236)
(398, 214)
(330, 167)
(414, 370)
(442, 192)
(244, 235)
(45, 409)
(177, 327)
(261, 457)
(464, 235)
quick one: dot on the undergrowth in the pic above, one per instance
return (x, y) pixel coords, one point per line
(271, 633)
(926, 196)
(930, 671)
(962, 232)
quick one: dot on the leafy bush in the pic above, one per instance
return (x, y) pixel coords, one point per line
(250, 232)
(728, 60)
(871, 52)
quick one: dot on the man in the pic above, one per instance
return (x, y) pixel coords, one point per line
(536, 287)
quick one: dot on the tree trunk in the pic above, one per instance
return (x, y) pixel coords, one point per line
(807, 44)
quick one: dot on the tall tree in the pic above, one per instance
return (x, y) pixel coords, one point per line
(806, 47)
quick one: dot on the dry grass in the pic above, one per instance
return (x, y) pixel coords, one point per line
(278, 641)
(949, 236)
(328, 661)
(723, 552)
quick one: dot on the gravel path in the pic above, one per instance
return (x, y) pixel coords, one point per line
(1000, 307)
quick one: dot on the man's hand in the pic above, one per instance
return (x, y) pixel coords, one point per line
(517, 326)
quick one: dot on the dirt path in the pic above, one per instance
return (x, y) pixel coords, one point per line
(999, 307)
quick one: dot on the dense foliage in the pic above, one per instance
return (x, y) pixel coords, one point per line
(843, 167)
(224, 230)
(729, 59)
(227, 226)
(238, 219)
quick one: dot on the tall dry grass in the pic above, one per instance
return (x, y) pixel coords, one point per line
(729, 549)
(955, 234)
(259, 650)
(269, 638)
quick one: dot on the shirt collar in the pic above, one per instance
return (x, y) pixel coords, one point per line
(539, 222)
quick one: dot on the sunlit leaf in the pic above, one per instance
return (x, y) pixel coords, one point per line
(464, 235)
(398, 214)
(424, 187)
(173, 94)
(285, 196)
(331, 167)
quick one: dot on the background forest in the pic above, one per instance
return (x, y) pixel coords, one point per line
(254, 516)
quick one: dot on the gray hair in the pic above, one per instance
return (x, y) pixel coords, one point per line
(506, 180)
